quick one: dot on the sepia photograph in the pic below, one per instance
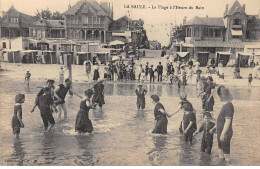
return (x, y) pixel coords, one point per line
(129, 83)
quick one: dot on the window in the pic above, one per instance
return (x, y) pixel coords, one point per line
(34, 32)
(217, 33)
(210, 32)
(4, 44)
(237, 22)
(14, 20)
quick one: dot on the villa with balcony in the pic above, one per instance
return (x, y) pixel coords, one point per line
(88, 20)
(229, 34)
(15, 24)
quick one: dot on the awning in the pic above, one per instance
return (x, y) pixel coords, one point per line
(188, 45)
(182, 54)
(224, 53)
(116, 42)
(83, 52)
(124, 34)
(29, 51)
(236, 32)
(245, 54)
(115, 58)
(101, 52)
(203, 52)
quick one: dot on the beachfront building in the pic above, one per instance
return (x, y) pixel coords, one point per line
(88, 20)
(15, 24)
(212, 36)
(129, 31)
(47, 29)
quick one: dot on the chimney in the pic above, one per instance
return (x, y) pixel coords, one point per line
(244, 7)
(184, 20)
(207, 18)
(226, 11)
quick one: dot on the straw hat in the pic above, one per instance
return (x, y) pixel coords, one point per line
(224, 94)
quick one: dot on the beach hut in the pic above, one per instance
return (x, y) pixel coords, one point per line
(49, 57)
(224, 56)
(68, 54)
(32, 54)
(11, 56)
(203, 58)
(83, 56)
(103, 57)
(242, 59)
(183, 56)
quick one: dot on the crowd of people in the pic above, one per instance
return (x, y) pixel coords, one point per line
(51, 99)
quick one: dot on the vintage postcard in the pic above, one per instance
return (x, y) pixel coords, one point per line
(129, 82)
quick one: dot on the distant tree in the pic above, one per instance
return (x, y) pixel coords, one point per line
(44, 14)
(57, 16)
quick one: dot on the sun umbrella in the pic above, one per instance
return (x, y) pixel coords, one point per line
(115, 58)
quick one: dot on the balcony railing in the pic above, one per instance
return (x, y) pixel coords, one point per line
(86, 25)
(237, 26)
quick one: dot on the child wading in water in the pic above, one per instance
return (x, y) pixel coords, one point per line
(188, 124)
(208, 131)
(140, 93)
(45, 103)
(160, 116)
(83, 123)
(17, 121)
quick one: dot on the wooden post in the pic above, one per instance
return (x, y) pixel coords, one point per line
(67, 64)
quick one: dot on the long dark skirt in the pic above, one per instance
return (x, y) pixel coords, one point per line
(161, 126)
(83, 123)
(99, 98)
(209, 105)
(96, 75)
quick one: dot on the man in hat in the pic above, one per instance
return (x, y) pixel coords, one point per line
(140, 93)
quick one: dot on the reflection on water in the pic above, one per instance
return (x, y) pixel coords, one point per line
(18, 152)
(86, 157)
(121, 133)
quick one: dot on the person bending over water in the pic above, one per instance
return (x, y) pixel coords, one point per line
(83, 123)
(45, 103)
(160, 116)
(99, 94)
(17, 121)
(60, 93)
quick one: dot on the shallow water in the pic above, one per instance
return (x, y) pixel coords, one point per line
(121, 133)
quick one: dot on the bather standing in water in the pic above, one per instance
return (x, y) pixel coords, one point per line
(99, 94)
(160, 116)
(83, 124)
(140, 93)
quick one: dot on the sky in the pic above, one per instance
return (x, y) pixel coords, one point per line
(157, 21)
